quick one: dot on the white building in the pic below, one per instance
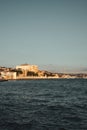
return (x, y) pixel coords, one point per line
(8, 75)
(27, 67)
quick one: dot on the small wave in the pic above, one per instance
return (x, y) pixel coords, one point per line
(17, 126)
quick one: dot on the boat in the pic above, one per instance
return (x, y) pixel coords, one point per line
(2, 79)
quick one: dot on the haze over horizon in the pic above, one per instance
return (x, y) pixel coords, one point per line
(49, 33)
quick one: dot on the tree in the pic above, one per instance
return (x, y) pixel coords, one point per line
(19, 71)
(31, 73)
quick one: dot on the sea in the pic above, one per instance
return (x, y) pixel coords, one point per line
(51, 104)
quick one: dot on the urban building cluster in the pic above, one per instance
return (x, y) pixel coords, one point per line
(27, 71)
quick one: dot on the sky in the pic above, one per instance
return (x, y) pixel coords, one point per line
(49, 33)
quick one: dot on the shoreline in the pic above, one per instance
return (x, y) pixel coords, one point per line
(44, 78)
(27, 78)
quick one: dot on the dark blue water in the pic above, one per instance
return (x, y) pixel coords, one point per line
(43, 104)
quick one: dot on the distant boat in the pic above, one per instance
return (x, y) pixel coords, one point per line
(2, 80)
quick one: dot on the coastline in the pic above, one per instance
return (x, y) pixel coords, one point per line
(44, 78)
(27, 78)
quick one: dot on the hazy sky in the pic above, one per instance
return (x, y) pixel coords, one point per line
(44, 32)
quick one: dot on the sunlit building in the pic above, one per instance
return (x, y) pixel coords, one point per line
(8, 75)
(27, 67)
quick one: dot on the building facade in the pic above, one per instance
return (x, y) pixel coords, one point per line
(8, 75)
(27, 67)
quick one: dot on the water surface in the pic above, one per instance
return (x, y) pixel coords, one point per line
(59, 104)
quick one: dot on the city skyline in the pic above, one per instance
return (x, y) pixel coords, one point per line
(50, 33)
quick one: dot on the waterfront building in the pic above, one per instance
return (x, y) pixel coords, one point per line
(27, 67)
(8, 75)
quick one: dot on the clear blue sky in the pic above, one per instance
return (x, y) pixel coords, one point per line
(49, 33)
